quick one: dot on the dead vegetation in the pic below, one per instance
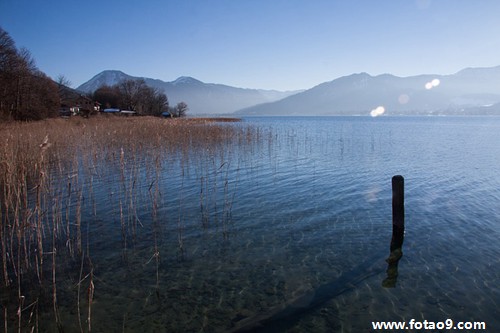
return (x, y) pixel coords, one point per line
(48, 169)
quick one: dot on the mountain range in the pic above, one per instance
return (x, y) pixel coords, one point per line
(469, 91)
(201, 98)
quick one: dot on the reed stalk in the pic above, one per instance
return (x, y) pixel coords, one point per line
(203, 206)
(68, 214)
(90, 293)
(3, 242)
(78, 223)
(214, 192)
(226, 212)
(54, 280)
(79, 284)
(47, 168)
(21, 298)
(180, 238)
(124, 230)
(154, 215)
(131, 195)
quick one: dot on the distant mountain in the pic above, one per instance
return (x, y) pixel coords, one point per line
(108, 78)
(201, 98)
(469, 91)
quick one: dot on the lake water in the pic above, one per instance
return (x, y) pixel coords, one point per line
(292, 233)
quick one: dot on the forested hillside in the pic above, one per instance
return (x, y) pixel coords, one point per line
(26, 93)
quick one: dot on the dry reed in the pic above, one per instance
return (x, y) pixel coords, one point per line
(47, 170)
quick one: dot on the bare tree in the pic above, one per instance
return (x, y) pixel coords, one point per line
(108, 96)
(25, 92)
(8, 57)
(63, 81)
(133, 95)
(181, 109)
(131, 92)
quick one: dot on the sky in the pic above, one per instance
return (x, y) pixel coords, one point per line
(263, 44)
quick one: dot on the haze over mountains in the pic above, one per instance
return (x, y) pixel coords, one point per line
(470, 91)
(201, 98)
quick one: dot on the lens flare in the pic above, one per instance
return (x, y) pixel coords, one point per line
(403, 99)
(378, 111)
(431, 84)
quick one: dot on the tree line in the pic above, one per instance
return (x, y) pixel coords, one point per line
(136, 95)
(26, 93)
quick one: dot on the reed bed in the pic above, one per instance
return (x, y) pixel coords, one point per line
(52, 193)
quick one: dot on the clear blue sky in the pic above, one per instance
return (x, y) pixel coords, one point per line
(270, 44)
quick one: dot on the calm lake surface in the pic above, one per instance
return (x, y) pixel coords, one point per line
(292, 233)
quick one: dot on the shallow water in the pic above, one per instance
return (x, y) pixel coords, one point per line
(301, 223)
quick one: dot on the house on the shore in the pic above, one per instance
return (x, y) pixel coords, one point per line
(75, 103)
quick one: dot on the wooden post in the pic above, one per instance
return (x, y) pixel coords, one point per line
(398, 218)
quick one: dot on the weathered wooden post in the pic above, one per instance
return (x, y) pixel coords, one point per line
(398, 218)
